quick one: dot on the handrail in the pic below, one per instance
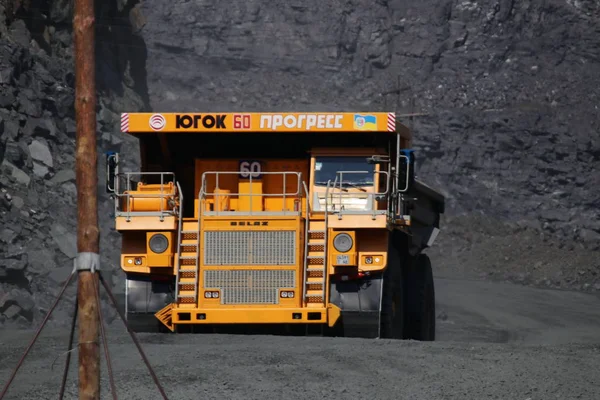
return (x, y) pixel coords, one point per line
(397, 193)
(393, 203)
(372, 195)
(341, 192)
(325, 253)
(306, 240)
(128, 196)
(203, 194)
(326, 193)
(179, 229)
(387, 183)
(407, 173)
(308, 202)
(197, 273)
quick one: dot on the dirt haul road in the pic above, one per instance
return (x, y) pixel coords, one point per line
(495, 341)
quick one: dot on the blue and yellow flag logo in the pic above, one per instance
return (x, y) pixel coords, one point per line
(365, 122)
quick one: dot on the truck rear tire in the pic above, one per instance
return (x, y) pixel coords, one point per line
(419, 300)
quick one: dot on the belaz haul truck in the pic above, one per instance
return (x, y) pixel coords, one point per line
(298, 220)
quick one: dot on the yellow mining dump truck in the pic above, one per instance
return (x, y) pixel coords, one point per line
(297, 220)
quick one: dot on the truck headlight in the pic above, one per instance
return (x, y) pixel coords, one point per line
(158, 243)
(342, 242)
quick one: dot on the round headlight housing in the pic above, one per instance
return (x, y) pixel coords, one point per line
(159, 243)
(342, 242)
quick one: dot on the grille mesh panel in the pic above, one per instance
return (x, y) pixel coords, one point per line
(249, 286)
(249, 248)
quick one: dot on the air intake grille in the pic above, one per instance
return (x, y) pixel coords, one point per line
(250, 248)
(249, 286)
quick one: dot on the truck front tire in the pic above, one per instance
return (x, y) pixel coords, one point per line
(392, 302)
(419, 300)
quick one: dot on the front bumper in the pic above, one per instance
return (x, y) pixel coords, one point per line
(324, 315)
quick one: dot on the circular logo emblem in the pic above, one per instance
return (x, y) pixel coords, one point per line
(360, 122)
(157, 122)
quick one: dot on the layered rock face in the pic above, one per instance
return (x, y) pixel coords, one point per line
(510, 92)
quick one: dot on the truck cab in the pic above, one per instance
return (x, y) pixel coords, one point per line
(307, 220)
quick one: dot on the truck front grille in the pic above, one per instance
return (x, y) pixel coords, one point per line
(249, 248)
(249, 286)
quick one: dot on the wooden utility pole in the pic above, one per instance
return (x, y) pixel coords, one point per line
(88, 233)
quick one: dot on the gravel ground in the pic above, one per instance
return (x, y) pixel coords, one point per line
(516, 157)
(498, 341)
(484, 248)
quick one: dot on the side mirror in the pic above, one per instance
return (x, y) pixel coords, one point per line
(112, 170)
(406, 173)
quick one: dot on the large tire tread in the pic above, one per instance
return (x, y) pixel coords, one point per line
(392, 309)
(420, 300)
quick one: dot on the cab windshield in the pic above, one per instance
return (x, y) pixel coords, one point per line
(326, 169)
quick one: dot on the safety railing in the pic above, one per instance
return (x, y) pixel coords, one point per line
(326, 275)
(306, 234)
(396, 205)
(168, 195)
(203, 195)
(338, 190)
(179, 232)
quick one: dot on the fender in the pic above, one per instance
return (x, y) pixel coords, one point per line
(146, 296)
(360, 301)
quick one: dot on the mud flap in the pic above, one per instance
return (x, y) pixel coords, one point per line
(360, 302)
(144, 298)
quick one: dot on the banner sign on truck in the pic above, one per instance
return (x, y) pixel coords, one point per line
(257, 122)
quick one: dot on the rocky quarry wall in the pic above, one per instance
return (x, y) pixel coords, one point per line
(511, 89)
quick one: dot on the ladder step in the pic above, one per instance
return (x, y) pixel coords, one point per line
(188, 232)
(188, 257)
(188, 270)
(186, 296)
(316, 295)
